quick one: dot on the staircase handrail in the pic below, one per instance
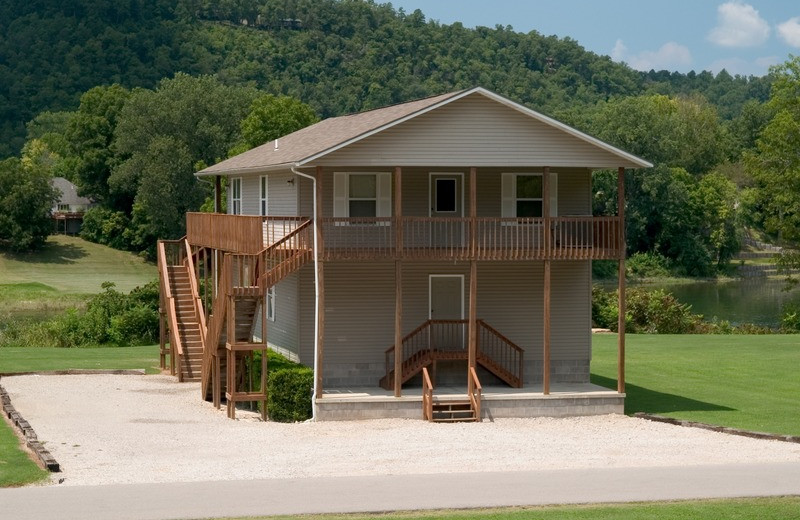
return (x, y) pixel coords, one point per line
(513, 361)
(215, 322)
(172, 315)
(427, 395)
(475, 390)
(198, 302)
(284, 266)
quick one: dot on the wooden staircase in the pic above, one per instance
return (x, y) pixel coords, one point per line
(495, 352)
(452, 409)
(187, 325)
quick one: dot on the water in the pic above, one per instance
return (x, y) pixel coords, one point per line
(750, 300)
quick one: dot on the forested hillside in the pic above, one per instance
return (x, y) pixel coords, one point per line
(128, 99)
(336, 56)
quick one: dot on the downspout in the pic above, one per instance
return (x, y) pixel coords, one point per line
(316, 289)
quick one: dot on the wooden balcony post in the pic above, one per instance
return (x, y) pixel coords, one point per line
(217, 194)
(546, 211)
(621, 277)
(546, 331)
(320, 274)
(398, 328)
(398, 212)
(473, 319)
(473, 211)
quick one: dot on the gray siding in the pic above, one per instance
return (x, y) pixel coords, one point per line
(359, 317)
(282, 195)
(283, 333)
(477, 131)
(574, 189)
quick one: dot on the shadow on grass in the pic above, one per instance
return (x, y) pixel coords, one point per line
(51, 253)
(639, 399)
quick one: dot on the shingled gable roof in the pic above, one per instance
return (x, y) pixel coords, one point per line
(303, 146)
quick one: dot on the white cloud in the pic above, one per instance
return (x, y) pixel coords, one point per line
(766, 62)
(789, 31)
(738, 25)
(670, 56)
(619, 51)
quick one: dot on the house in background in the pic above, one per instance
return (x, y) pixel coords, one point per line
(429, 257)
(68, 210)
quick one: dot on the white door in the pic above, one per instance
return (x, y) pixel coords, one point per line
(446, 302)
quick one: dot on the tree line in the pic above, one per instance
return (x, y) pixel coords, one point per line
(721, 145)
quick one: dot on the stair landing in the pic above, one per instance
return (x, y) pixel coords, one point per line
(564, 400)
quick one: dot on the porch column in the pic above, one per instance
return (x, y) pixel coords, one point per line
(320, 310)
(621, 279)
(398, 283)
(217, 193)
(472, 353)
(546, 302)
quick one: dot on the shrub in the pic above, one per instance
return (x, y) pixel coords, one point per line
(790, 321)
(604, 308)
(648, 265)
(105, 226)
(604, 269)
(290, 394)
(658, 312)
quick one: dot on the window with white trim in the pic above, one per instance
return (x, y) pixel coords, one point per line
(523, 195)
(362, 194)
(271, 303)
(236, 196)
(263, 191)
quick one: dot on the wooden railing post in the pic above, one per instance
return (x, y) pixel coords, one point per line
(546, 331)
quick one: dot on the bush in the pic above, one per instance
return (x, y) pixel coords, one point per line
(604, 269)
(111, 317)
(658, 312)
(290, 394)
(790, 321)
(604, 308)
(107, 227)
(648, 265)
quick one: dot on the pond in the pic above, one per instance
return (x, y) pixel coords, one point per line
(751, 300)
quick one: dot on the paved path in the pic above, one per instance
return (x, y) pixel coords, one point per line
(385, 493)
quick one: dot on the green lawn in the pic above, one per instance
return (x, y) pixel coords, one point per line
(71, 265)
(16, 468)
(32, 359)
(778, 508)
(749, 382)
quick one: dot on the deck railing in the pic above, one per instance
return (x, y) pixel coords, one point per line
(425, 238)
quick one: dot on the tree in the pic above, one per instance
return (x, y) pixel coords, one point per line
(272, 117)
(677, 132)
(26, 198)
(90, 133)
(775, 164)
(714, 203)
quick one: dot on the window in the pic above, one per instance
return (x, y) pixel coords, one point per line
(262, 191)
(63, 207)
(445, 196)
(528, 196)
(362, 194)
(236, 196)
(523, 195)
(271, 303)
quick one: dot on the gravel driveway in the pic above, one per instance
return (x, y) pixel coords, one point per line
(106, 429)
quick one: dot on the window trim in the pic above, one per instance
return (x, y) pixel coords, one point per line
(503, 196)
(518, 199)
(234, 207)
(270, 295)
(263, 195)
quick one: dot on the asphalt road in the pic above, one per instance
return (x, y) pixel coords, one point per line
(396, 492)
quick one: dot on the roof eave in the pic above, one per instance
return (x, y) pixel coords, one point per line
(246, 170)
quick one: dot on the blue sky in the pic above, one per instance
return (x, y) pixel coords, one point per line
(743, 37)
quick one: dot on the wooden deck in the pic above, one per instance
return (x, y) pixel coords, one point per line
(419, 238)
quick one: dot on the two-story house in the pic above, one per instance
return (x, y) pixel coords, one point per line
(403, 252)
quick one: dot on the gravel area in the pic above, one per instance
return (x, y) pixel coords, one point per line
(106, 429)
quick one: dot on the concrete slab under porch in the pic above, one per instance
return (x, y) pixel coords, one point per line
(565, 399)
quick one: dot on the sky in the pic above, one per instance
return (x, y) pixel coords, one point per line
(742, 37)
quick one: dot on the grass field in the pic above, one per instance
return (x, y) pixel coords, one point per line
(778, 508)
(749, 382)
(74, 266)
(109, 358)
